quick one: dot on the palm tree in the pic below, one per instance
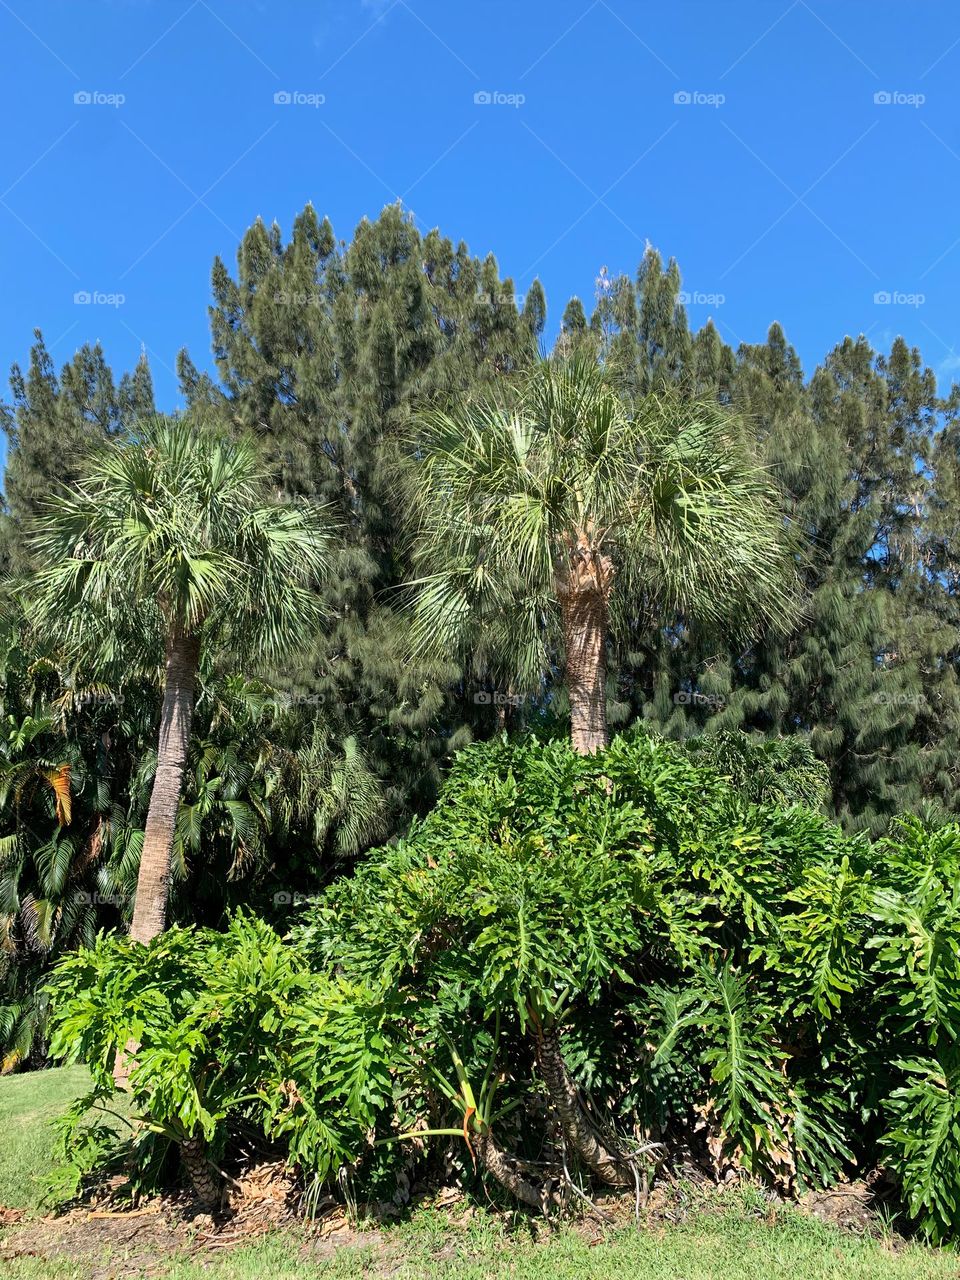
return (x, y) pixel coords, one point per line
(265, 776)
(542, 524)
(167, 545)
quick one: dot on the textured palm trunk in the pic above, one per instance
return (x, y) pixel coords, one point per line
(203, 1179)
(584, 596)
(496, 1161)
(153, 881)
(579, 1134)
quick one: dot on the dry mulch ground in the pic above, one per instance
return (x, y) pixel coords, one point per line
(144, 1237)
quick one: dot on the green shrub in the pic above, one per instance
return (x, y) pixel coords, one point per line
(196, 1015)
(215, 1030)
(734, 979)
(572, 967)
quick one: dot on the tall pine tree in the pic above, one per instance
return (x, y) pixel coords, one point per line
(53, 424)
(327, 350)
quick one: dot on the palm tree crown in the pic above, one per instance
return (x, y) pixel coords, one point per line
(171, 531)
(541, 522)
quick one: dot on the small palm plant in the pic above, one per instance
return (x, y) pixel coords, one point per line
(542, 524)
(167, 545)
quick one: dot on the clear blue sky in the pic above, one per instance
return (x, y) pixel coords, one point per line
(798, 197)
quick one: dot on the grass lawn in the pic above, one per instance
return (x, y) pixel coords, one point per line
(730, 1244)
(28, 1103)
(726, 1236)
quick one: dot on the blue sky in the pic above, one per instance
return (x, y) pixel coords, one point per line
(781, 184)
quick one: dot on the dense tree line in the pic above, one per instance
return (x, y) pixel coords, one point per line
(334, 355)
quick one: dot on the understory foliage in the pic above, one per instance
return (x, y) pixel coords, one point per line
(272, 801)
(574, 970)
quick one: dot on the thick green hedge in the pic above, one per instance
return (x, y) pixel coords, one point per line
(572, 971)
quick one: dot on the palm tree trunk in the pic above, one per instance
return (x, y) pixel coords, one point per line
(153, 881)
(496, 1161)
(203, 1179)
(580, 1134)
(584, 611)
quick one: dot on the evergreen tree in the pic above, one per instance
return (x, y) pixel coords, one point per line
(574, 332)
(326, 350)
(135, 395)
(54, 424)
(329, 350)
(868, 674)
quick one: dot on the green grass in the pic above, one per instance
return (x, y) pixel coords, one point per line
(28, 1103)
(724, 1236)
(729, 1243)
